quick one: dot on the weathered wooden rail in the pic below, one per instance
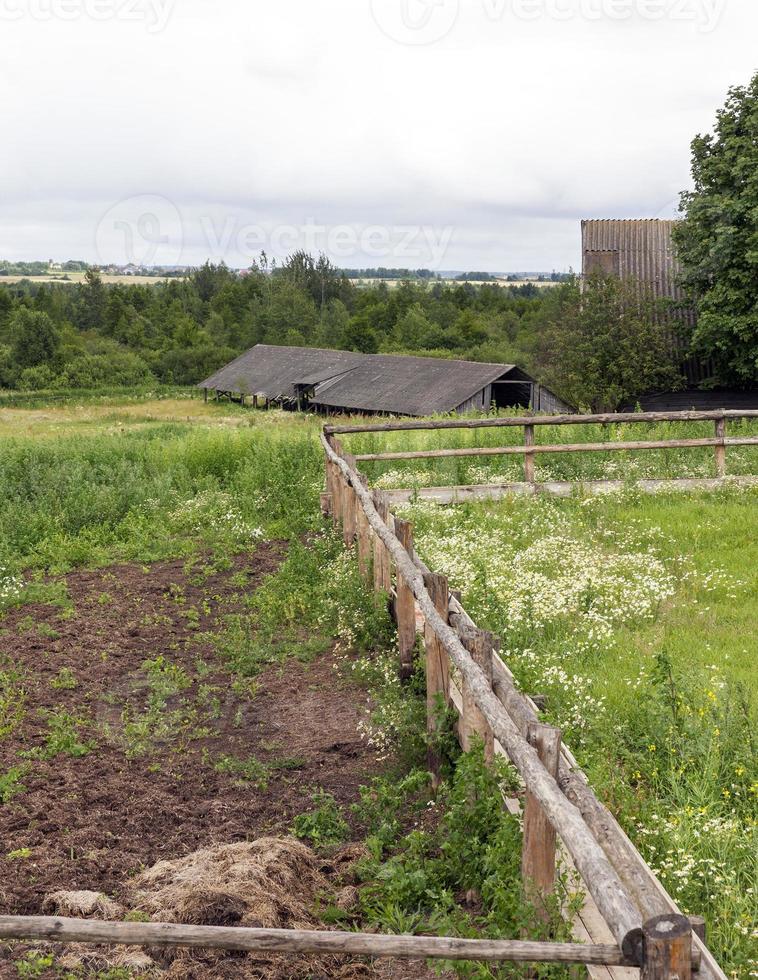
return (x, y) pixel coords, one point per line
(643, 919)
(530, 449)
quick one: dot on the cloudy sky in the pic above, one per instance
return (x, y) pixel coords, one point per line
(453, 134)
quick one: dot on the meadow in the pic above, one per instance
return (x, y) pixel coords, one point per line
(635, 616)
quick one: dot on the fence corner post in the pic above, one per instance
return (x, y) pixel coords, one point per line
(437, 672)
(667, 948)
(538, 849)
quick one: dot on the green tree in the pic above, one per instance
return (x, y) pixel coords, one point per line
(36, 339)
(603, 345)
(717, 241)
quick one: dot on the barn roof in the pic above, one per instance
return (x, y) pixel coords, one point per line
(362, 382)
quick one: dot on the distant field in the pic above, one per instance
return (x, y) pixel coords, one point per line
(77, 277)
(392, 283)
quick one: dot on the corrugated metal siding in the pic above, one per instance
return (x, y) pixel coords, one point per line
(644, 251)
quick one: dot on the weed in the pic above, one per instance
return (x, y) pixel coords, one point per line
(65, 680)
(12, 701)
(323, 826)
(63, 736)
(34, 964)
(10, 782)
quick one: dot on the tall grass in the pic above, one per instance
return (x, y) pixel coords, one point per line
(149, 494)
(637, 617)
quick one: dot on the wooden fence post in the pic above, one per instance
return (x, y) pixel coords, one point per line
(338, 496)
(405, 604)
(349, 515)
(382, 567)
(529, 457)
(667, 948)
(538, 849)
(721, 450)
(363, 531)
(479, 645)
(437, 672)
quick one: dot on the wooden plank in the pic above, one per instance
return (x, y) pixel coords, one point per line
(54, 929)
(498, 491)
(599, 876)
(609, 418)
(579, 447)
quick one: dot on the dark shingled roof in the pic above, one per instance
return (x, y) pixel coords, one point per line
(361, 382)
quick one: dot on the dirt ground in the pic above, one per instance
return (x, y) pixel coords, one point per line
(93, 819)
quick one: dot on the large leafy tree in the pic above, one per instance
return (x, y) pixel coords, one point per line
(717, 241)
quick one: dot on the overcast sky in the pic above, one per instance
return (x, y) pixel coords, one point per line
(453, 134)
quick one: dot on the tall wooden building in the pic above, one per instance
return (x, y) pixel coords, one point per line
(643, 251)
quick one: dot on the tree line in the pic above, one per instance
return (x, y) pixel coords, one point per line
(593, 347)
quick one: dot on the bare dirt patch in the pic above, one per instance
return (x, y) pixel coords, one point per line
(127, 793)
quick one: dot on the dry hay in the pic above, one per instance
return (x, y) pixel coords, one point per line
(268, 883)
(83, 905)
(271, 883)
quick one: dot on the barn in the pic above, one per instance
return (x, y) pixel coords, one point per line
(344, 381)
(643, 251)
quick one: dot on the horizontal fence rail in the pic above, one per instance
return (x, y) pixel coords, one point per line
(163, 934)
(510, 422)
(529, 449)
(632, 902)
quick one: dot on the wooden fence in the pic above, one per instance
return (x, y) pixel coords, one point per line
(561, 811)
(530, 449)
(642, 932)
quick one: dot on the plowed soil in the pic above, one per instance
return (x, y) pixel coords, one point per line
(94, 815)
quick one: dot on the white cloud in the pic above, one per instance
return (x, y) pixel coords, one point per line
(501, 131)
